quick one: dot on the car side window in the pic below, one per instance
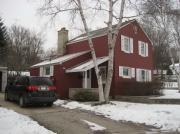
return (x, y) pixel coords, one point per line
(17, 82)
(24, 81)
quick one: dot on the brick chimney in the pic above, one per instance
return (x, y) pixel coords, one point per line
(62, 40)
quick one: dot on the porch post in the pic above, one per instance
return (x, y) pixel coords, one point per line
(85, 79)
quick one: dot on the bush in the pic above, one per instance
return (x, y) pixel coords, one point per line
(142, 88)
(85, 96)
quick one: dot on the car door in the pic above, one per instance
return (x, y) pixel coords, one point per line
(20, 87)
(12, 89)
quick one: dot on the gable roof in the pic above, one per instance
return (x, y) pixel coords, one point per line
(87, 65)
(103, 31)
(96, 33)
(60, 60)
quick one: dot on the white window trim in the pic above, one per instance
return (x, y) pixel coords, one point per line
(146, 48)
(130, 45)
(131, 73)
(42, 71)
(148, 75)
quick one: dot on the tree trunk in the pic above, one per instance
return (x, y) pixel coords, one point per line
(99, 78)
(111, 45)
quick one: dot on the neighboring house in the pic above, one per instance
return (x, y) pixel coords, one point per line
(3, 78)
(175, 67)
(74, 69)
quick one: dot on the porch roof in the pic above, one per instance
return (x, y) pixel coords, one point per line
(87, 65)
(61, 59)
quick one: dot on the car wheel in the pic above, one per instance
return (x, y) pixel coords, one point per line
(22, 101)
(6, 96)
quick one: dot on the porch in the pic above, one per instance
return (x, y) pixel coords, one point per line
(88, 74)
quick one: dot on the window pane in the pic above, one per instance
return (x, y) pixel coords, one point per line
(127, 44)
(143, 48)
(40, 81)
(125, 71)
(47, 70)
(143, 73)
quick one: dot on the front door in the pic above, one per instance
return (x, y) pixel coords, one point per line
(0, 81)
(87, 79)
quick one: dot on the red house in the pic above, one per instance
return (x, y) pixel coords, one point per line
(74, 69)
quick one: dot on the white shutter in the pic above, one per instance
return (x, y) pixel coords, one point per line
(132, 72)
(131, 45)
(41, 71)
(138, 75)
(150, 75)
(52, 70)
(122, 43)
(120, 71)
(139, 47)
(147, 49)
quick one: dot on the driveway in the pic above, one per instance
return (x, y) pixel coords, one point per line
(66, 121)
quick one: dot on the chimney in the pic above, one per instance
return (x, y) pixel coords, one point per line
(62, 40)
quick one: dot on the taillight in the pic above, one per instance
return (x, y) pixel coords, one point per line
(32, 88)
(51, 87)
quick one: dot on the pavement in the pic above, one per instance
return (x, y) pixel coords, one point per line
(66, 121)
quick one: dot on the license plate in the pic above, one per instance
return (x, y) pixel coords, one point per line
(42, 88)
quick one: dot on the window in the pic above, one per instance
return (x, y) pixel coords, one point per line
(103, 73)
(143, 49)
(126, 72)
(126, 44)
(143, 75)
(47, 71)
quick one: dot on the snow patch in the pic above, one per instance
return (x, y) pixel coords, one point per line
(165, 117)
(14, 123)
(94, 126)
(169, 94)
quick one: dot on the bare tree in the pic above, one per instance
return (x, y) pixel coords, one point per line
(50, 54)
(3, 43)
(165, 18)
(24, 48)
(76, 7)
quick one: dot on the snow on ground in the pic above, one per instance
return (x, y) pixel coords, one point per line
(169, 94)
(14, 123)
(94, 126)
(166, 117)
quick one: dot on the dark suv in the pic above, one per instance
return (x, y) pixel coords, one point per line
(31, 90)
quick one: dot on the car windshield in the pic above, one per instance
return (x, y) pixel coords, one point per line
(40, 81)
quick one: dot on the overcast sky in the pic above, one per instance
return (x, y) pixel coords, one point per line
(24, 13)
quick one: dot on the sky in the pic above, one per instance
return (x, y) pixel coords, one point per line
(24, 13)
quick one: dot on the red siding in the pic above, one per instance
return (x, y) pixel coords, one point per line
(131, 60)
(34, 71)
(100, 45)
